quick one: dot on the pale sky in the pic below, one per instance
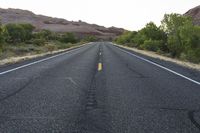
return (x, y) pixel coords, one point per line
(128, 14)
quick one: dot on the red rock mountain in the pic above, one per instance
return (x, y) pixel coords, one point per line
(57, 25)
(195, 14)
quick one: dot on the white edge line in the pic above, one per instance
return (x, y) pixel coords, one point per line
(153, 63)
(45, 59)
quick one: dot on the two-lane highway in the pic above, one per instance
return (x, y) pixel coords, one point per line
(99, 88)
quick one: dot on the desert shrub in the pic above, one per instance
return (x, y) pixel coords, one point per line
(16, 33)
(131, 45)
(50, 47)
(28, 29)
(38, 42)
(2, 37)
(22, 50)
(68, 38)
(64, 45)
(90, 39)
(43, 34)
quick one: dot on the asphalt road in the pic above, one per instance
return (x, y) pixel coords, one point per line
(99, 88)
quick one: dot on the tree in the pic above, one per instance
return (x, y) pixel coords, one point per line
(190, 37)
(171, 24)
(153, 32)
(151, 38)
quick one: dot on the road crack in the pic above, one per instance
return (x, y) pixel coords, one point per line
(94, 117)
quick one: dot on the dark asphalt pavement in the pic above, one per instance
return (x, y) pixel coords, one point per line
(70, 93)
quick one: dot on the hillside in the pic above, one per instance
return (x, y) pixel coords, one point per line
(57, 25)
(195, 14)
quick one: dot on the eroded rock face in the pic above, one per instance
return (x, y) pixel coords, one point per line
(57, 25)
(195, 14)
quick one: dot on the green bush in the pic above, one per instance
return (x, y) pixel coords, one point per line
(90, 39)
(152, 45)
(126, 37)
(139, 39)
(193, 55)
(174, 45)
(1, 47)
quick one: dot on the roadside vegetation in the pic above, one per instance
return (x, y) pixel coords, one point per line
(177, 37)
(22, 39)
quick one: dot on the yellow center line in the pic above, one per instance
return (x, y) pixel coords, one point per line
(100, 67)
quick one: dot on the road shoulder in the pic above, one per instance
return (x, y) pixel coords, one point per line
(161, 57)
(13, 60)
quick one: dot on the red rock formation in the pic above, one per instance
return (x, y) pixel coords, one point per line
(56, 24)
(195, 14)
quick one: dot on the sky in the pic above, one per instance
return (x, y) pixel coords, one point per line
(128, 14)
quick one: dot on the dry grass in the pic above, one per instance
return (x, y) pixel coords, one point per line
(12, 60)
(161, 57)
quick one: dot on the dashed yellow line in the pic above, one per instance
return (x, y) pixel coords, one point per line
(100, 67)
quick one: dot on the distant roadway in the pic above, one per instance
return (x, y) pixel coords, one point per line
(99, 88)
